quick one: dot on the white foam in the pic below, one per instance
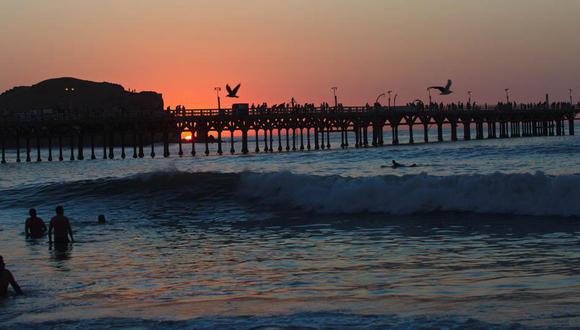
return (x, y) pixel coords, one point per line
(523, 194)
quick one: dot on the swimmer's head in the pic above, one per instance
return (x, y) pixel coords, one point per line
(2, 263)
(59, 210)
(32, 212)
(101, 218)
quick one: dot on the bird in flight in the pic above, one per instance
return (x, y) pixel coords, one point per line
(233, 92)
(444, 90)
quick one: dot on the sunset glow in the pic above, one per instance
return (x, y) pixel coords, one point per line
(299, 48)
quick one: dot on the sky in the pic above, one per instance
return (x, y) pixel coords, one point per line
(298, 48)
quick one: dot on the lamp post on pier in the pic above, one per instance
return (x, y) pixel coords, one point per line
(389, 92)
(469, 99)
(507, 95)
(217, 90)
(395, 100)
(570, 90)
(335, 98)
(379, 97)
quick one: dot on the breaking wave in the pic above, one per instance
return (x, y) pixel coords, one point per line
(522, 194)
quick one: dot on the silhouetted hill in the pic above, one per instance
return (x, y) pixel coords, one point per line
(78, 95)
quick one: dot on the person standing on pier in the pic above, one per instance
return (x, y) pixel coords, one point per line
(60, 226)
(35, 227)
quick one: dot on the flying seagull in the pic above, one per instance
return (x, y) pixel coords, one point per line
(233, 92)
(444, 90)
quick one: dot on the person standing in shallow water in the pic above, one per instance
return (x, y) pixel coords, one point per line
(6, 278)
(60, 227)
(35, 227)
(101, 220)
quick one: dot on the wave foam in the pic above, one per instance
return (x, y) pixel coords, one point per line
(523, 194)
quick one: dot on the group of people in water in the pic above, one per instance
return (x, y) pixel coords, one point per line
(59, 232)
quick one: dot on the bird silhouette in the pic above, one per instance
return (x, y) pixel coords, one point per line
(233, 92)
(443, 90)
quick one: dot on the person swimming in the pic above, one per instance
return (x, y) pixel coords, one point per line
(101, 220)
(60, 226)
(6, 278)
(35, 227)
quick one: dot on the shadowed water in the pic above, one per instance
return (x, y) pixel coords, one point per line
(481, 234)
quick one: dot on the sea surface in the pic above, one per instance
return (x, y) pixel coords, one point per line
(481, 234)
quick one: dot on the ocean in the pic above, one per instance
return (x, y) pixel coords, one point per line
(481, 234)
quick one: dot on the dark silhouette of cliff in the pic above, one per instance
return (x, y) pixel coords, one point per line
(77, 95)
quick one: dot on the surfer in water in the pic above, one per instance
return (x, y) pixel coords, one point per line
(397, 165)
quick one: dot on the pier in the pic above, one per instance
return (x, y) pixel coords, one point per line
(264, 129)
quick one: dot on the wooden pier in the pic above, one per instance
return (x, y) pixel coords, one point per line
(280, 129)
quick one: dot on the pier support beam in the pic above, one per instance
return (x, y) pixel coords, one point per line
(141, 145)
(166, 153)
(38, 159)
(27, 149)
(395, 131)
(219, 151)
(3, 146)
(112, 145)
(466, 130)
(280, 140)
(60, 154)
(194, 135)
(453, 130)
(81, 146)
(426, 133)
(571, 125)
(411, 140)
(365, 136)
(232, 149)
(245, 149)
(440, 131)
(50, 147)
(271, 140)
(17, 147)
(72, 146)
(93, 156)
(257, 150)
(316, 145)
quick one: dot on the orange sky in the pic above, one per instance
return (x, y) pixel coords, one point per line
(301, 48)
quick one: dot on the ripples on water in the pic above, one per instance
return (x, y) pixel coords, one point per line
(202, 251)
